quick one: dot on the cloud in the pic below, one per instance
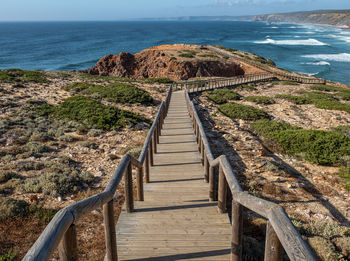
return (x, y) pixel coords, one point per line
(222, 3)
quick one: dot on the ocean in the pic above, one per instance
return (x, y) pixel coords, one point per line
(314, 50)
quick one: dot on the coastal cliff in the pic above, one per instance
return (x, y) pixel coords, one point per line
(339, 18)
(176, 62)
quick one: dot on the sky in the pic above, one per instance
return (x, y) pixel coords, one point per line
(99, 10)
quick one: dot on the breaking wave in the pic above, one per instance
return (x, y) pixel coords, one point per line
(313, 42)
(340, 57)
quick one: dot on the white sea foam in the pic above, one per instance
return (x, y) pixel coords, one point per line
(340, 57)
(292, 42)
(341, 37)
(274, 27)
(319, 63)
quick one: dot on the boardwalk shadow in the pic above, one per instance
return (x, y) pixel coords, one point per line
(203, 205)
(201, 254)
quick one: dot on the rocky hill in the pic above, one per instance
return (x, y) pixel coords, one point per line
(339, 18)
(176, 62)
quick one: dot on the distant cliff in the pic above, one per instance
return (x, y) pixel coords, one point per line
(326, 17)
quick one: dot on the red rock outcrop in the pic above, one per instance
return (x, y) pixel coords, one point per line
(159, 63)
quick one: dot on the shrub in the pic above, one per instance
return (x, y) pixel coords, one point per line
(11, 207)
(260, 99)
(121, 93)
(66, 138)
(345, 174)
(326, 88)
(7, 175)
(17, 75)
(93, 114)
(158, 80)
(209, 55)
(58, 181)
(246, 87)
(267, 128)
(131, 149)
(244, 112)
(321, 147)
(35, 147)
(263, 60)
(315, 96)
(344, 96)
(295, 99)
(221, 96)
(9, 256)
(188, 54)
(87, 144)
(78, 86)
(345, 130)
(284, 83)
(316, 146)
(332, 105)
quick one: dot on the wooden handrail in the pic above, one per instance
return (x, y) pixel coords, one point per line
(280, 230)
(61, 229)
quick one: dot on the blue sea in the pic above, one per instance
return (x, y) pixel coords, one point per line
(314, 50)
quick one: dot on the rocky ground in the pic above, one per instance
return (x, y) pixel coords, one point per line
(31, 146)
(313, 195)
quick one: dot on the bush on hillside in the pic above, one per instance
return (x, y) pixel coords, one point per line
(260, 99)
(244, 112)
(10, 207)
(158, 80)
(121, 93)
(78, 86)
(295, 99)
(222, 96)
(18, 75)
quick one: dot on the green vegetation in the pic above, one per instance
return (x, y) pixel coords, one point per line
(115, 92)
(188, 54)
(263, 60)
(284, 83)
(104, 78)
(9, 256)
(209, 55)
(247, 87)
(332, 105)
(58, 179)
(260, 99)
(345, 174)
(158, 80)
(244, 112)
(345, 130)
(10, 207)
(316, 146)
(120, 93)
(326, 88)
(78, 86)
(90, 113)
(316, 96)
(221, 96)
(17, 75)
(295, 99)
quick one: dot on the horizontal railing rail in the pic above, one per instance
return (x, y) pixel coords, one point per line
(215, 83)
(61, 231)
(280, 232)
(277, 72)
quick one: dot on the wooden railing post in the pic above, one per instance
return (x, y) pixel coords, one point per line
(206, 167)
(110, 234)
(237, 232)
(212, 194)
(129, 197)
(202, 150)
(154, 141)
(222, 193)
(146, 167)
(67, 248)
(139, 183)
(273, 247)
(150, 150)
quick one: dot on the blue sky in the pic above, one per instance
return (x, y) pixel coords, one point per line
(53, 10)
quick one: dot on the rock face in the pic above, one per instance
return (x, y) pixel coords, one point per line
(161, 63)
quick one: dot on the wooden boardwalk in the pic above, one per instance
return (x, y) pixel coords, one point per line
(175, 221)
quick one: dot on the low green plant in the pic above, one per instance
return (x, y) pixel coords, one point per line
(43, 214)
(36, 147)
(103, 78)
(18, 75)
(295, 99)
(6, 175)
(247, 87)
(345, 174)
(58, 180)
(263, 60)
(158, 80)
(326, 88)
(315, 96)
(121, 93)
(316, 146)
(260, 99)
(91, 113)
(9, 256)
(78, 86)
(345, 130)
(188, 54)
(244, 112)
(10, 207)
(209, 55)
(221, 96)
(284, 83)
(332, 105)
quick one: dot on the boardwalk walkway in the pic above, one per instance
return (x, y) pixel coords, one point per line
(176, 221)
